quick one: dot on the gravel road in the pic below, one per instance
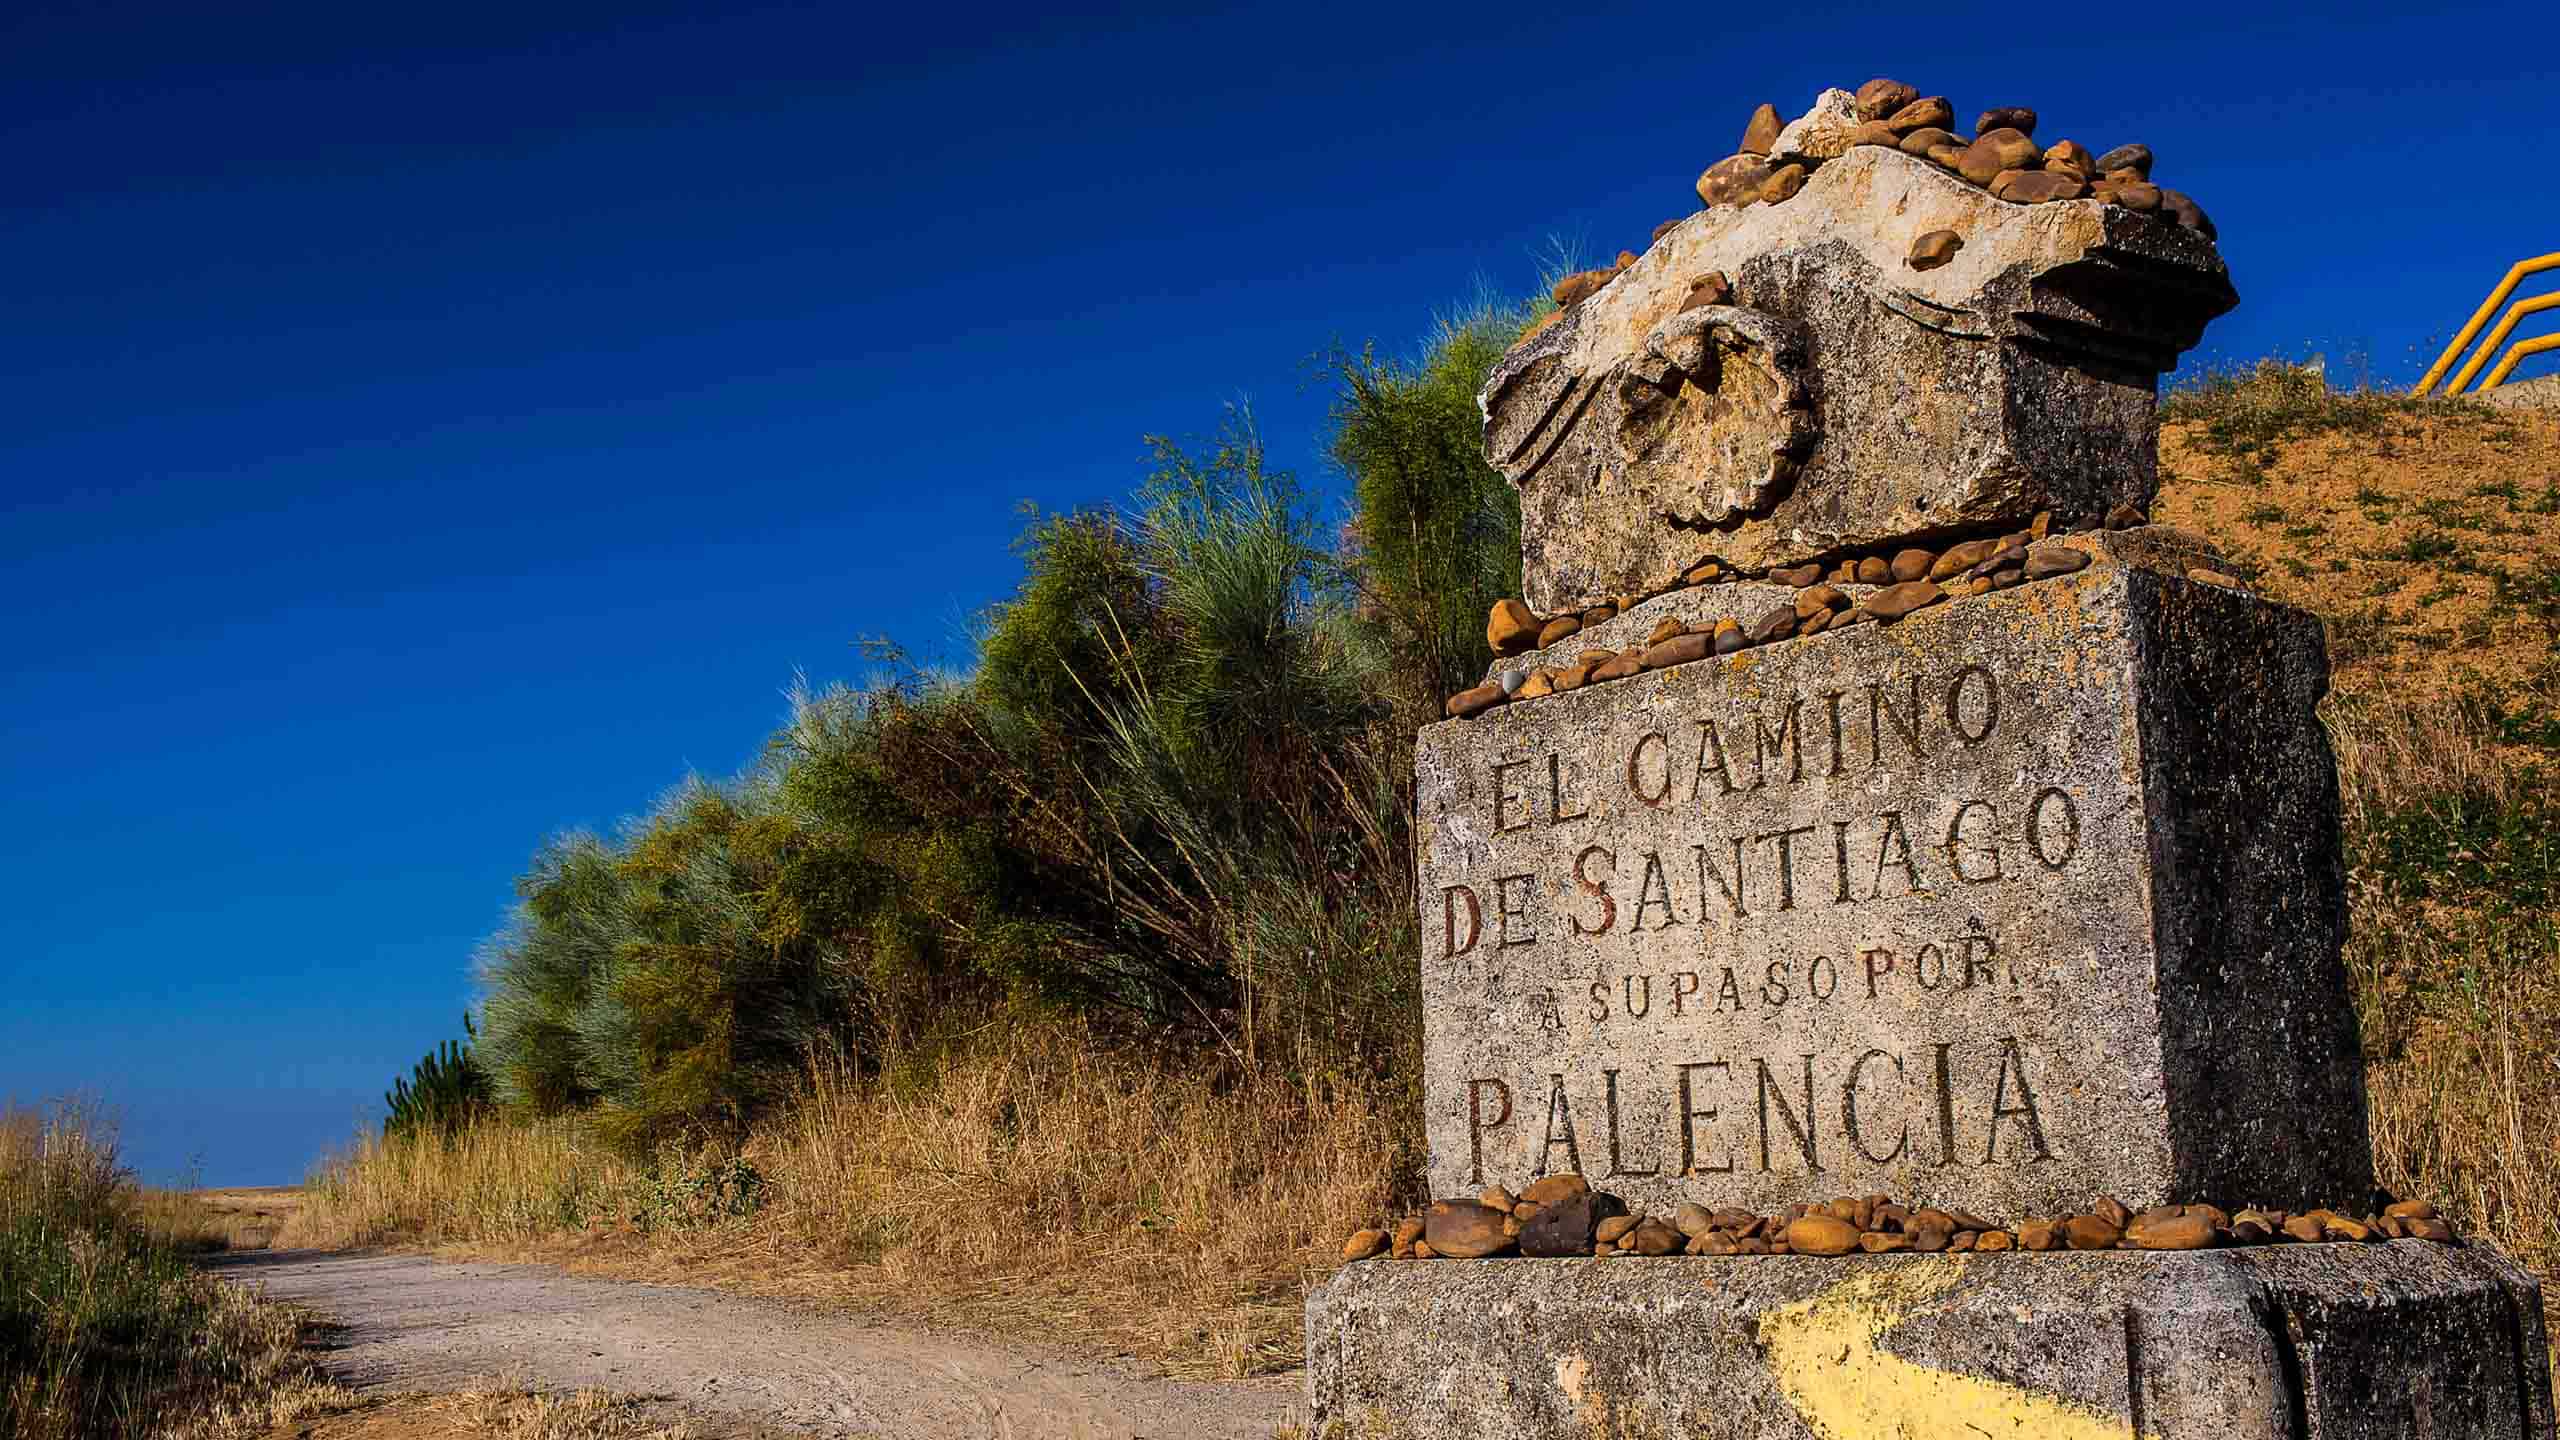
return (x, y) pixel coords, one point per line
(417, 1324)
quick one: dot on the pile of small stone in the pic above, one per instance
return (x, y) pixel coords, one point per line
(1910, 578)
(1561, 1216)
(2001, 156)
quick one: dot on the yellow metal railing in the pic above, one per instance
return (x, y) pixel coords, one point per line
(2480, 317)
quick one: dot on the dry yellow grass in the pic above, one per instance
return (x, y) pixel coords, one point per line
(1042, 1185)
(488, 1413)
(1046, 1183)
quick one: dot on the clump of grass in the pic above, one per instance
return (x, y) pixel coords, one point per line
(995, 1183)
(2454, 884)
(106, 1329)
(2248, 414)
(491, 1180)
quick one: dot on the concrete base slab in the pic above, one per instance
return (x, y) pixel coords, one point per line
(2293, 1342)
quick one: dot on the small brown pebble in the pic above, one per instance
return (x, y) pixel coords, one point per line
(2092, 1232)
(2041, 526)
(1875, 132)
(1921, 141)
(1997, 151)
(1798, 576)
(2171, 1232)
(1363, 1244)
(1875, 570)
(2394, 1227)
(1740, 1222)
(1934, 249)
(1728, 637)
(1667, 627)
(1946, 157)
(1497, 1197)
(1678, 650)
(1408, 1230)
(1782, 185)
(2037, 187)
(1616, 1226)
(1618, 667)
(1552, 1188)
(2215, 577)
(2339, 1227)
(1815, 598)
(1422, 1251)
(1757, 1245)
(1692, 1219)
(1819, 622)
(1563, 627)
(2136, 196)
(1511, 1226)
(1967, 1220)
(1883, 1242)
(1929, 1217)
(1540, 682)
(2124, 517)
(1762, 130)
(1704, 570)
(1605, 610)
(2039, 1235)
(2070, 157)
(2006, 117)
(1921, 114)
(1821, 1235)
(1573, 289)
(2046, 561)
(1844, 573)
(2189, 214)
(1957, 559)
(1881, 97)
(2411, 1209)
(1734, 180)
(2430, 1228)
(1778, 624)
(1890, 1216)
(1474, 700)
(1653, 1237)
(1895, 601)
(1913, 564)
(2303, 1227)
(1993, 1240)
(1602, 1249)
(1667, 226)
(2249, 1231)
(2134, 158)
(1961, 1241)
(2111, 1210)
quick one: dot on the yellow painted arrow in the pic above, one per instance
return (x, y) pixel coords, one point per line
(1829, 1357)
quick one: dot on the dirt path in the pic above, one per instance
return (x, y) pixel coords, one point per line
(419, 1324)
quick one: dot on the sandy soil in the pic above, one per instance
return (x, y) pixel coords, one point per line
(757, 1366)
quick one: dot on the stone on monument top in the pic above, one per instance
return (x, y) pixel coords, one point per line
(1843, 396)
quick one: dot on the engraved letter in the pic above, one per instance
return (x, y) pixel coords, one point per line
(1786, 862)
(1990, 687)
(1654, 880)
(1849, 1111)
(1596, 889)
(1555, 792)
(1559, 1112)
(1477, 1124)
(1504, 914)
(1803, 1131)
(1680, 992)
(1690, 1114)
(1710, 759)
(1880, 713)
(1787, 740)
(1956, 849)
(1635, 785)
(1449, 945)
(1504, 797)
(1894, 848)
(2024, 1111)
(1706, 873)
(2070, 828)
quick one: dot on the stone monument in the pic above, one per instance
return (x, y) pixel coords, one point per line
(1864, 803)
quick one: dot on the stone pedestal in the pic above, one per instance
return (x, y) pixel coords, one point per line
(2029, 898)
(2306, 1342)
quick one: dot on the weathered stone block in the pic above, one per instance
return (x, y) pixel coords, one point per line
(2305, 1342)
(2031, 897)
(1843, 398)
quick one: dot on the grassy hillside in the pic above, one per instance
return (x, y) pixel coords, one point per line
(1118, 1038)
(2427, 538)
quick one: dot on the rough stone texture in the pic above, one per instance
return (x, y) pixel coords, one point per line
(1867, 401)
(2120, 975)
(2300, 1342)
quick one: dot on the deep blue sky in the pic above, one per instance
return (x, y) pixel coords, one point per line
(425, 428)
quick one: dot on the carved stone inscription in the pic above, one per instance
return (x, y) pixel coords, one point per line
(1871, 912)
